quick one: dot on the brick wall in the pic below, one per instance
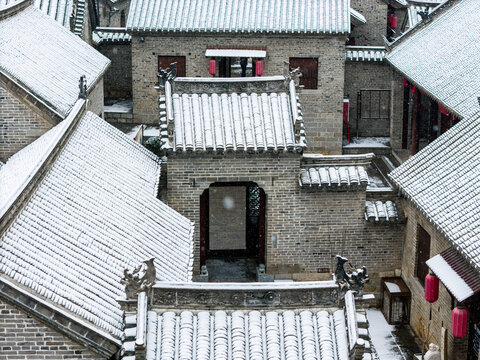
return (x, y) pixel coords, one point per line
(310, 227)
(19, 124)
(114, 19)
(24, 337)
(420, 308)
(396, 112)
(322, 107)
(375, 12)
(367, 75)
(118, 77)
(95, 99)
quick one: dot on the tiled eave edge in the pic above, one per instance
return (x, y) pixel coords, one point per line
(39, 106)
(427, 92)
(442, 231)
(59, 320)
(11, 209)
(437, 11)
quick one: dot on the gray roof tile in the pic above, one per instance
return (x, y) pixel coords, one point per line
(94, 214)
(246, 16)
(442, 181)
(47, 58)
(442, 57)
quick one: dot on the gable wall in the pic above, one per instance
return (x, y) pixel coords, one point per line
(24, 337)
(19, 124)
(310, 226)
(322, 107)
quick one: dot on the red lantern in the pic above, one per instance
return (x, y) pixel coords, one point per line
(459, 322)
(431, 288)
(405, 82)
(389, 19)
(393, 22)
(259, 68)
(413, 89)
(212, 67)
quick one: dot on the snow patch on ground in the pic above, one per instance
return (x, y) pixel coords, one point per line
(382, 337)
(147, 131)
(119, 106)
(369, 142)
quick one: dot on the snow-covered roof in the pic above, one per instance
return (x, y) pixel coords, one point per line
(413, 17)
(458, 277)
(59, 10)
(357, 17)
(47, 59)
(224, 16)
(442, 181)
(103, 36)
(381, 211)
(93, 214)
(365, 53)
(219, 334)
(334, 177)
(221, 120)
(441, 56)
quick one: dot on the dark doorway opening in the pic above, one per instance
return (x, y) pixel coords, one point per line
(232, 230)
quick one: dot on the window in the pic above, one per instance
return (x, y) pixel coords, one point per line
(423, 253)
(165, 61)
(309, 69)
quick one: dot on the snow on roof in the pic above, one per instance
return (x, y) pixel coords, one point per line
(333, 177)
(442, 56)
(104, 36)
(47, 59)
(442, 181)
(413, 13)
(365, 53)
(281, 334)
(268, 16)
(451, 278)
(243, 120)
(59, 10)
(381, 211)
(357, 16)
(93, 214)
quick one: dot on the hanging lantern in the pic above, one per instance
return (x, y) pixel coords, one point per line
(389, 19)
(405, 82)
(259, 68)
(212, 67)
(413, 89)
(393, 22)
(431, 288)
(459, 322)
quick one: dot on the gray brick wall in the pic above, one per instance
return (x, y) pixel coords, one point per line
(24, 337)
(367, 75)
(19, 124)
(375, 12)
(420, 308)
(322, 107)
(310, 227)
(118, 77)
(95, 99)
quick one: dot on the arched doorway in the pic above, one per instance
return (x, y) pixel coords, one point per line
(232, 230)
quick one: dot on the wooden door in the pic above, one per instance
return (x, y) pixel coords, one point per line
(423, 253)
(165, 61)
(308, 68)
(261, 228)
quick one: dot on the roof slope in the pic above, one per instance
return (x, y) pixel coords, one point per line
(94, 214)
(442, 57)
(442, 181)
(285, 16)
(47, 59)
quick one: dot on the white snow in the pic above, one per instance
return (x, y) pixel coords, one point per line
(147, 131)
(392, 287)
(453, 282)
(382, 338)
(369, 142)
(119, 106)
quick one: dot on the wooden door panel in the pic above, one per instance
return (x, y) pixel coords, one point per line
(165, 61)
